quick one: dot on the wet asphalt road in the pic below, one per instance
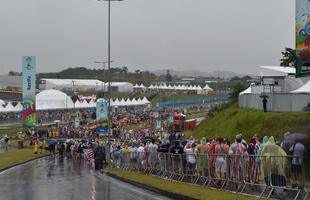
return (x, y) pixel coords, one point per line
(54, 179)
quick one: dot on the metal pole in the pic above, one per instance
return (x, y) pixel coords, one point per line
(104, 79)
(104, 76)
(109, 58)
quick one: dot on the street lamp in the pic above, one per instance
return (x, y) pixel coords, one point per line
(109, 52)
(103, 65)
(73, 86)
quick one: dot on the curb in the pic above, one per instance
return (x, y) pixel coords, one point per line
(172, 195)
(21, 163)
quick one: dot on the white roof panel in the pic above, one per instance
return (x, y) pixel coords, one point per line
(276, 71)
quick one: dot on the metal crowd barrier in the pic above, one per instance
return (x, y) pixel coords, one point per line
(261, 176)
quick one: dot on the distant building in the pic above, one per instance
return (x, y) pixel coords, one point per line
(10, 82)
(187, 80)
(83, 85)
(10, 88)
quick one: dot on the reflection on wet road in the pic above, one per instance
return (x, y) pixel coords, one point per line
(53, 179)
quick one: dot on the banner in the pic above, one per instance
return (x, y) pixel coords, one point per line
(302, 38)
(102, 125)
(29, 91)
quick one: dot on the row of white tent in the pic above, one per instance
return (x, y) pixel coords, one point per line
(116, 102)
(84, 104)
(10, 108)
(174, 87)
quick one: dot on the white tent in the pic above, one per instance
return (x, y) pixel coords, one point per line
(303, 89)
(145, 101)
(2, 108)
(53, 99)
(43, 106)
(92, 104)
(9, 107)
(128, 102)
(134, 102)
(247, 91)
(85, 104)
(19, 107)
(139, 101)
(116, 102)
(122, 102)
(207, 87)
(78, 104)
(151, 86)
(2, 103)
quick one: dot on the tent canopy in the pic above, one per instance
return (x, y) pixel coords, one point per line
(303, 89)
(53, 99)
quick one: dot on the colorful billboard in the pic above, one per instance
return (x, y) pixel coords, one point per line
(302, 38)
(29, 91)
(102, 125)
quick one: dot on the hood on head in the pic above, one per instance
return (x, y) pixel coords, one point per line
(271, 140)
(265, 139)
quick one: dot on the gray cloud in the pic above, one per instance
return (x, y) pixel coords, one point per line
(208, 35)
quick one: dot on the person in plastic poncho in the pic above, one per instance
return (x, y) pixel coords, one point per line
(273, 160)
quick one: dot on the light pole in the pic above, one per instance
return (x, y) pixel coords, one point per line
(104, 79)
(73, 86)
(109, 53)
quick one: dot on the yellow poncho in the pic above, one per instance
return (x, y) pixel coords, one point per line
(273, 159)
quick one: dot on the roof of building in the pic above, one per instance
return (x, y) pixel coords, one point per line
(11, 81)
(84, 82)
(273, 71)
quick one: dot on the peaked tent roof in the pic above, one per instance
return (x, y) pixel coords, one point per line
(247, 91)
(9, 107)
(19, 107)
(207, 87)
(2, 102)
(303, 89)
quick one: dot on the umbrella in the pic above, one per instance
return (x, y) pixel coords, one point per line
(264, 96)
(57, 121)
(291, 138)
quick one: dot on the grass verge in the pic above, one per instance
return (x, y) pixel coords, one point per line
(231, 121)
(16, 157)
(13, 130)
(197, 192)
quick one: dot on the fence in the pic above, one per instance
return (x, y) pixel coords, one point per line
(268, 176)
(211, 99)
(277, 102)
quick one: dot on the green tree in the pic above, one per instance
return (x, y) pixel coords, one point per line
(169, 78)
(13, 73)
(288, 57)
(124, 70)
(237, 89)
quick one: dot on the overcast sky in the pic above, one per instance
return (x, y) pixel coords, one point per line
(208, 35)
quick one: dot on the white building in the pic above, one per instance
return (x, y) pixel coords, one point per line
(83, 85)
(281, 87)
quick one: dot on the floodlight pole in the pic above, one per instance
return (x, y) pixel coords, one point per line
(109, 54)
(104, 77)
